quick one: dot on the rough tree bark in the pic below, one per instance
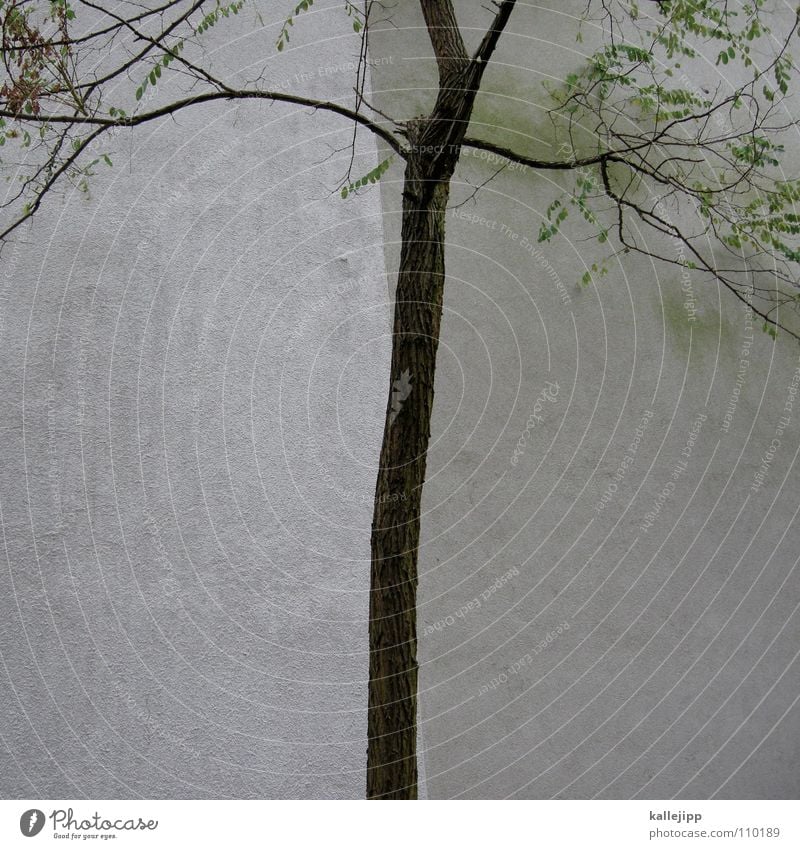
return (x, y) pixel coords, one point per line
(434, 148)
(392, 767)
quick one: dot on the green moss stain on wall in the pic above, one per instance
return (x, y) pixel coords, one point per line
(694, 318)
(512, 112)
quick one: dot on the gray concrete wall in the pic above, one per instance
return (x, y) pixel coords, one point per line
(193, 384)
(193, 376)
(567, 651)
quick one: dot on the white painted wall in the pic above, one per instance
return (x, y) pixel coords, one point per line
(193, 383)
(193, 376)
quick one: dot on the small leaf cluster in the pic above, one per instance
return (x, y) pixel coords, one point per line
(613, 65)
(557, 212)
(595, 270)
(283, 38)
(372, 177)
(164, 61)
(304, 6)
(356, 15)
(219, 12)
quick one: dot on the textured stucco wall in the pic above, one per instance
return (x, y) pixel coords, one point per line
(193, 375)
(193, 384)
(677, 674)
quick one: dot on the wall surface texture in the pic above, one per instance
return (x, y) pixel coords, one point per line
(192, 359)
(193, 381)
(570, 646)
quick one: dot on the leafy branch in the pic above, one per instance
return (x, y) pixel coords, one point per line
(370, 177)
(671, 151)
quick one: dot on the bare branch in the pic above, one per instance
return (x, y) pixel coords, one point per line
(207, 97)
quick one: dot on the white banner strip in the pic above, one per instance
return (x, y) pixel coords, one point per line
(355, 824)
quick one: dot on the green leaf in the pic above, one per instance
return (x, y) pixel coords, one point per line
(372, 177)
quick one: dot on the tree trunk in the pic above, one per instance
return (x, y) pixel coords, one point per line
(434, 148)
(392, 751)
